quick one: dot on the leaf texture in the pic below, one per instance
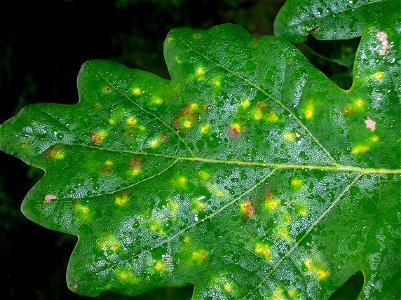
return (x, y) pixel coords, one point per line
(330, 20)
(249, 174)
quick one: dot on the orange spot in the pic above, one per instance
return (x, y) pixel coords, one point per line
(375, 138)
(248, 209)
(23, 145)
(55, 153)
(308, 263)
(107, 168)
(115, 246)
(97, 137)
(235, 129)
(135, 162)
(136, 91)
(106, 89)
(228, 287)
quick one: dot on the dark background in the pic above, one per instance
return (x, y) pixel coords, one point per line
(42, 46)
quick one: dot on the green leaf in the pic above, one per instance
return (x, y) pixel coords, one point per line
(331, 20)
(249, 174)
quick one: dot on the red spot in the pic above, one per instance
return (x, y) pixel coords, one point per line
(235, 130)
(97, 137)
(135, 162)
(261, 105)
(248, 209)
(106, 169)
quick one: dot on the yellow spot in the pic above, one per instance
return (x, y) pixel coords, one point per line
(359, 149)
(98, 105)
(108, 243)
(228, 287)
(182, 180)
(127, 276)
(158, 101)
(121, 199)
(217, 82)
(136, 171)
(204, 128)
(309, 263)
(199, 256)
(112, 121)
(132, 121)
(200, 206)
(309, 109)
(204, 175)
(178, 60)
(194, 106)
(359, 103)
(136, 91)
(264, 250)
(142, 128)
(245, 104)
(108, 163)
(272, 204)
(271, 117)
(309, 113)
(154, 227)
(200, 71)
(81, 209)
(258, 115)
(289, 136)
(174, 205)
(187, 124)
(219, 193)
(302, 211)
(155, 143)
(159, 266)
(375, 138)
(379, 75)
(187, 239)
(284, 233)
(323, 274)
(296, 182)
(293, 293)
(55, 153)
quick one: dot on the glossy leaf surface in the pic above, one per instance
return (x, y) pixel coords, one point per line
(249, 174)
(330, 20)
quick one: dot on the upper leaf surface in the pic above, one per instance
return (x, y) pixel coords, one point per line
(249, 174)
(332, 20)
